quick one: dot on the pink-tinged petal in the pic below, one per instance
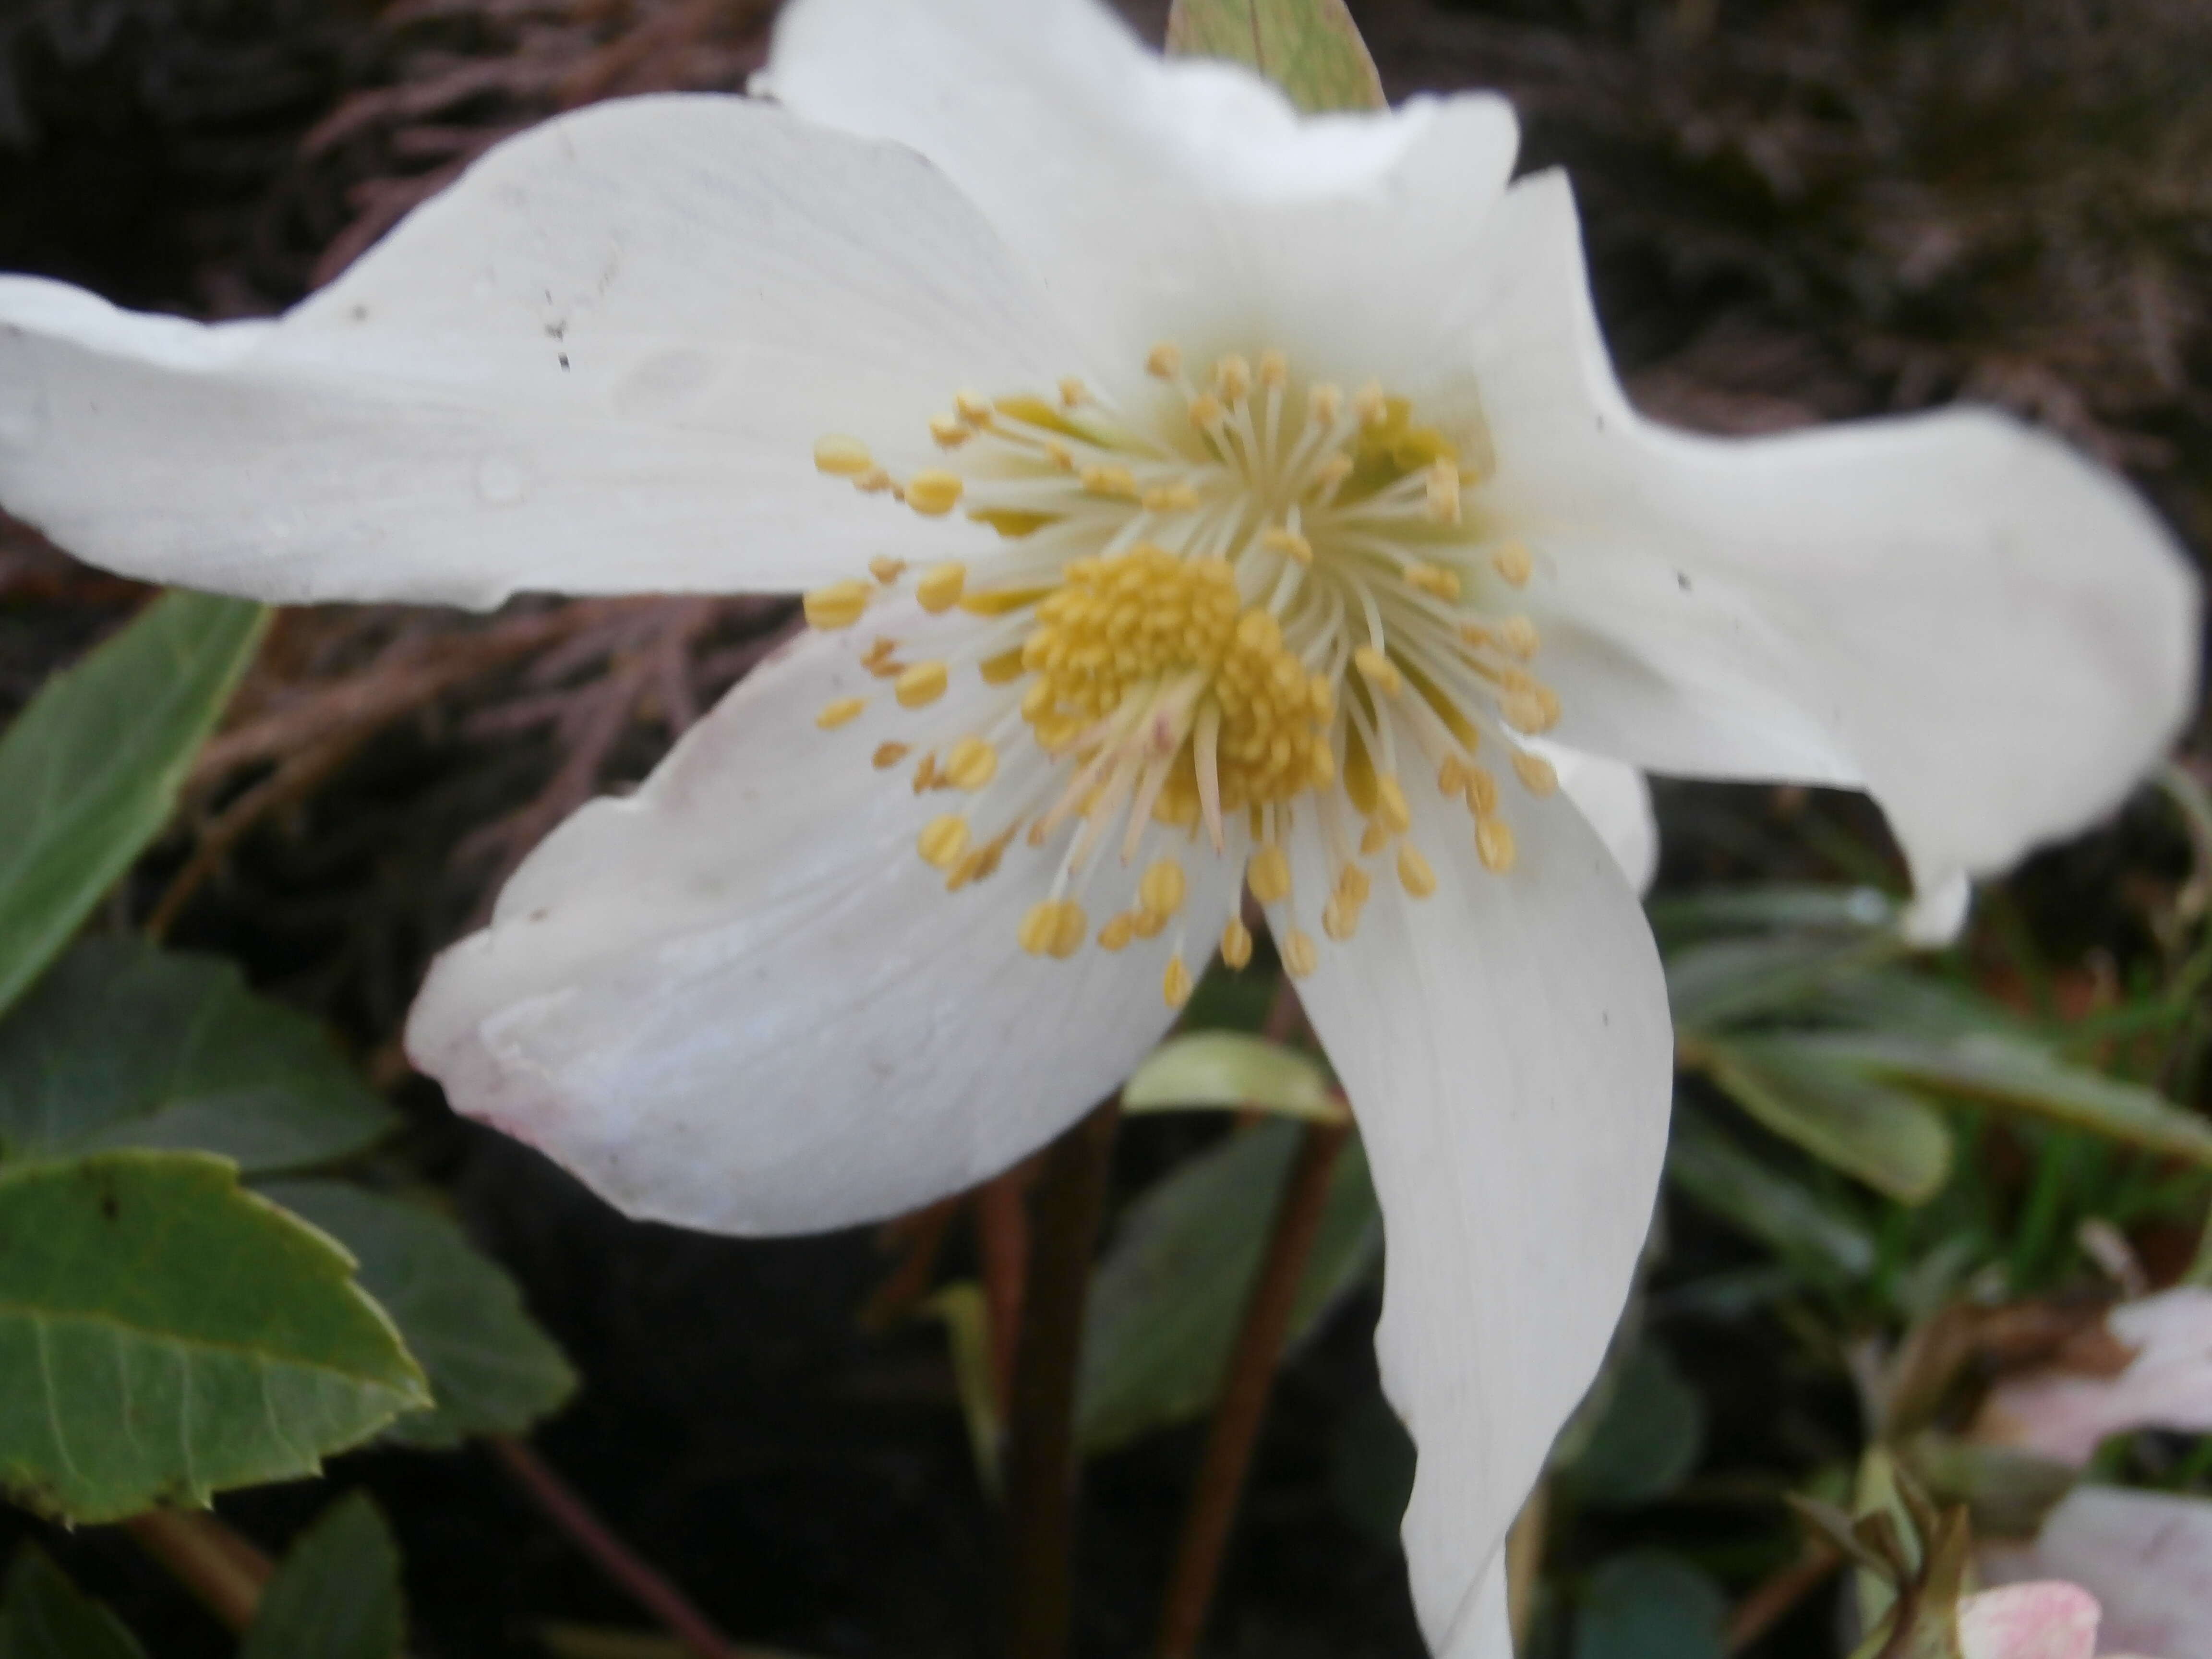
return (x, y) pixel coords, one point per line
(599, 364)
(2146, 1557)
(2168, 1385)
(1505, 1045)
(1994, 636)
(2047, 1620)
(738, 1001)
(1184, 199)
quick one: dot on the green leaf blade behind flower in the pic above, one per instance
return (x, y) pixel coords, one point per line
(90, 772)
(1310, 48)
(123, 1045)
(491, 1370)
(336, 1594)
(1170, 1293)
(1232, 1071)
(168, 1334)
(1881, 1135)
(44, 1616)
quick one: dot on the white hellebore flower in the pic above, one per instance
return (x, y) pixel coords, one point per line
(1235, 493)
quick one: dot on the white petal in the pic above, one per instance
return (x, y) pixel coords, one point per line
(1617, 800)
(2168, 1385)
(1160, 198)
(2146, 1557)
(1994, 636)
(739, 1002)
(599, 364)
(1506, 1049)
(2050, 1619)
(1937, 915)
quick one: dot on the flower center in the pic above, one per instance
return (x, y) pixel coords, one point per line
(1215, 617)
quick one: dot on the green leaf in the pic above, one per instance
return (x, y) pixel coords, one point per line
(1649, 1439)
(166, 1334)
(1170, 1293)
(1770, 908)
(90, 772)
(1310, 48)
(2024, 1076)
(124, 1045)
(1762, 1201)
(44, 1616)
(967, 1321)
(1725, 981)
(1232, 1071)
(1882, 1136)
(491, 1370)
(336, 1595)
(1649, 1604)
(1370, 1467)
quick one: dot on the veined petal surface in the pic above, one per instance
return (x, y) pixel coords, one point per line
(599, 364)
(1992, 636)
(1505, 1045)
(737, 1000)
(1182, 199)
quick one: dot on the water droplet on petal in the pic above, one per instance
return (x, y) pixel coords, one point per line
(500, 480)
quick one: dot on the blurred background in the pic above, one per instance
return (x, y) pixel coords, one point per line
(1797, 212)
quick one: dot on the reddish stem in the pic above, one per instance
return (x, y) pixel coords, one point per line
(1002, 1237)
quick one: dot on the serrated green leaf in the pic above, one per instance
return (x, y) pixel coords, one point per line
(165, 1334)
(1170, 1293)
(491, 1370)
(1881, 1135)
(1648, 1438)
(1650, 1604)
(125, 1045)
(1310, 48)
(1232, 1071)
(44, 1616)
(1762, 1202)
(336, 1594)
(90, 772)
(2022, 1075)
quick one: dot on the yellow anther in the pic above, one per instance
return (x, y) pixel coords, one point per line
(1004, 669)
(1493, 844)
(1378, 670)
(1451, 777)
(1333, 471)
(842, 712)
(973, 407)
(1370, 405)
(1175, 984)
(1072, 391)
(1117, 932)
(1171, 498)
(1353, 884)
(1148, 923)
(1206, 412)
(843, 456)
(1538, 776)
(886, 569)
(1514, 563)
(943, 840)
(949, 431)
(1434, 579)
(1164, 360)
(838, 606)
(1163, 888)
(888, 755)
(940, 586)
(1281, 538)
(922, 684)
(925, 772)
(1391, 810)
(874, 482)
(1339, 918)
(1534, 709)
(1060, 454)
(1269, 874)
(1275, 369)
(1236, 943)
(1324, 402)
(933, 493)
(1444, 492)
(1481, 792)
(1519, 635)
(1040, 926)
(970, 764)
(1373, 839)
(1300, 954)
(1414, 873)
(1114, 481)
(1322, 771)
(1232, 376)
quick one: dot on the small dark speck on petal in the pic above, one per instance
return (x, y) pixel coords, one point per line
(1682, 580)
(564, 360)
(361, 313)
